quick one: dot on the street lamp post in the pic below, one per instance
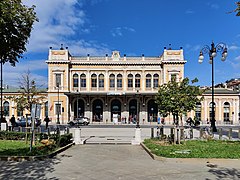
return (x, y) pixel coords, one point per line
(137, 125)
(212, 52)
(58, 106)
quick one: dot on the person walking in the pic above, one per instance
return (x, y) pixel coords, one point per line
(13, 121)
(47, 120)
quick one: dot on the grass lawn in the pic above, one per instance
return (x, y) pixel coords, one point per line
(20, 148)
(196, 149)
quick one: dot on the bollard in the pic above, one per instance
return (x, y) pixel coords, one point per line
(152, 132)
(230, 133)
(220, 132)
(191, 133)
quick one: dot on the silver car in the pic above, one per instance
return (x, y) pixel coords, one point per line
(79, 121)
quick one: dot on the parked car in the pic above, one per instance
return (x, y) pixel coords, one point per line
(79, 121)
(22, 122)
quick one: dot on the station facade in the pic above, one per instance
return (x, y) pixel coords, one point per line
(118, 89)
(111, 88)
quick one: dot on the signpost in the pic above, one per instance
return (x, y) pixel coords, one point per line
(35, 113)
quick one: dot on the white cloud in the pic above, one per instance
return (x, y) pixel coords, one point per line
(237, 58)
(213, 5)
(58, 21)
(119, 31)
(233, 47)
(83, 48)
(12, 75)
(189, 11)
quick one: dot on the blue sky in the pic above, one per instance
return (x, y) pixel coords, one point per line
(133, 27)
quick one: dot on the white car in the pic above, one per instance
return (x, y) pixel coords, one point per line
(79, 121)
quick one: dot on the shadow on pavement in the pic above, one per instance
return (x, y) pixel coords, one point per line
(223, 173)
(27, 169)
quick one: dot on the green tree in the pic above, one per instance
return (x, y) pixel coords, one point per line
(237, 10)
(178, 98)
(16, 23)
(29, 93)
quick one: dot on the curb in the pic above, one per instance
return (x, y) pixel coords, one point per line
(153, 156)
(34, 158)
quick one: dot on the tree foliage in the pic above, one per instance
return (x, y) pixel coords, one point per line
(237, 10)
(16, 23)
(177, 98)
(29, 93)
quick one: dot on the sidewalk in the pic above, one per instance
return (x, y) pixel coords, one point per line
(124, 162)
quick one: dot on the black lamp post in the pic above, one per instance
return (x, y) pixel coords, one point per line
(212, 52)
(137, 94)
(1, 91)
(58, 109)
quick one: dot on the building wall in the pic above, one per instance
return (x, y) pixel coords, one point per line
(61, 62)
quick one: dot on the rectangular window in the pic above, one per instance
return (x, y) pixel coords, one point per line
(58, 109)
(58, 80)
(137, 83)
(226, 116)
(112, 83)
(173, 77)
(101, 83)
(83, 82)
(75, 82)
(155, 83)
(148, 83)
(94, 83)
(130, 83)
(119, 83)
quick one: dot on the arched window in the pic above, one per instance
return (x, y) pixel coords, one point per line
(94, 80)
(148, 81)
(6, 108)
(198, 111)
(112, 81)
(155, 80)
(75, 80)
(101, 81)
(83, 80)
(130, 81)
(226, 112)
(137, 81)
(119, 81)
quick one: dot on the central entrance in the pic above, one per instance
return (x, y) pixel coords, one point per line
(133, 111)
(79, 108)
(97, 108)
(115, 111)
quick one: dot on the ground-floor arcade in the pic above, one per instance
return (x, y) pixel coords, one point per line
(113, 108)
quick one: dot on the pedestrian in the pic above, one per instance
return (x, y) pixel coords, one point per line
(13, 121)
(47, 120)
